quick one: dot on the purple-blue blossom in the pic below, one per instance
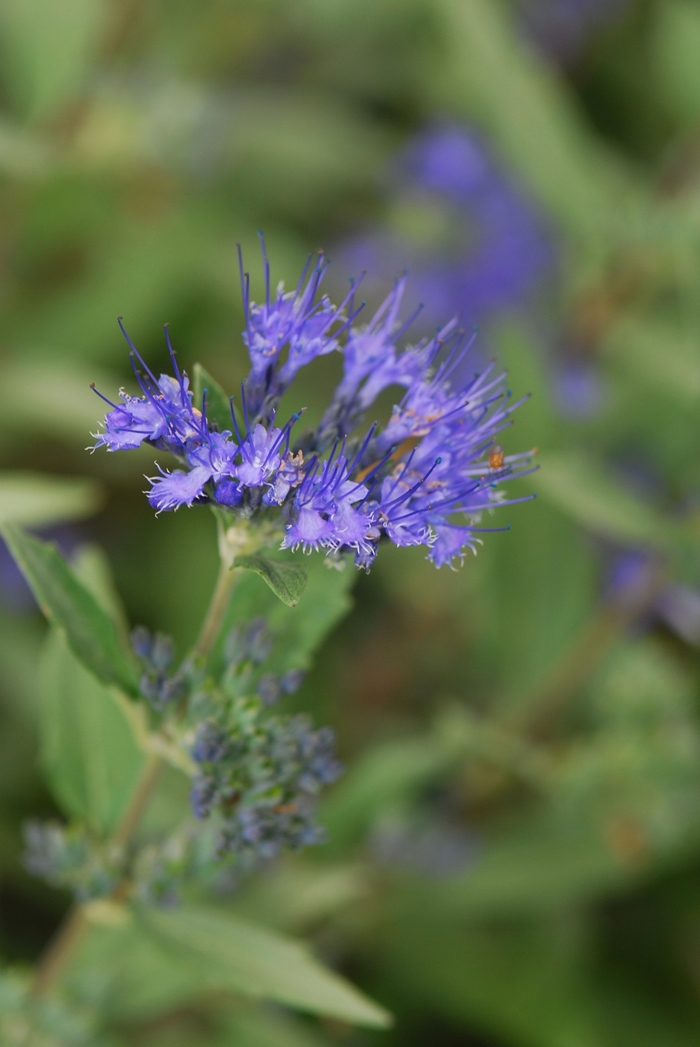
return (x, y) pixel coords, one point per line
(425, 477)
(494, 247)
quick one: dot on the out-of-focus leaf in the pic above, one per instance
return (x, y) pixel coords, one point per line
(26, 1020)
(492, 77)
(531, 983)
(92, 568)
(299, 894)
(163, 959)
(129, 974)
(581, 487)
(61, 401)
(300, 630)
(20, 643)
(88, 751)
(218, 407)
(287, 580)
(48, 48)
(269, 1030)
(72, 609)
(21, 154)
(666, 358)
(396, 771)
(259, 963)
(143, 273)
(33, 500)
(533, 870)
(536, 586)
(676, 55)
(299, 148)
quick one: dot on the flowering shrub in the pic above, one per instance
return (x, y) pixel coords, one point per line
(423, 478)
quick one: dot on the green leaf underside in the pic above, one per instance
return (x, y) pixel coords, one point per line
(287, 580)
(33, 500)
(88, 753)
(72, 609)
(260, 963)
(218, 403)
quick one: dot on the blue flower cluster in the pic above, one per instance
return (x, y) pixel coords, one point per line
(156, 654)
(66, 857)
(422, 479)
(259, 773)
(262, 777)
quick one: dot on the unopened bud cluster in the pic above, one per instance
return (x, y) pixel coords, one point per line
(67, 857)
(260, 773)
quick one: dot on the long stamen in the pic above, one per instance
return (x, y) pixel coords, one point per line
(171, 352)
(245, 293)
(245, 408)
(407, 323)
(157, 403)
(102, 397)
(365, 444)
(409, 494)
(266, 267)
(235, 421)
(137, 353)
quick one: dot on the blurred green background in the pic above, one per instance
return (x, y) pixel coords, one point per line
(515, 848)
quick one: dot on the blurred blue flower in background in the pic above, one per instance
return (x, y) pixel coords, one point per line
(562, 27)
(473, 243)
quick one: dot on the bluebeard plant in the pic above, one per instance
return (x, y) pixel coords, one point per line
(424, 478)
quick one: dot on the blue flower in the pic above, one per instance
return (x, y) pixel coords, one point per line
(425, 478)
(294, 320)
(495, 247)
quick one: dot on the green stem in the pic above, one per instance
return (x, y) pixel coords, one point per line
(60, 950)
(217, 610)
(70, 934)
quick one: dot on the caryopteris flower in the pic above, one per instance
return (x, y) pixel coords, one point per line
(424, 478)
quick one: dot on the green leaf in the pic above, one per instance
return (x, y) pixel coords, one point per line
(72, 609)
(300, 893)
(287, 580)
(34, 500)
(48, 49)
(218, 404)
(489, 75)
(300, 630)
(663, 356)
(61, 403)
(259, 1029)
(89, 756)
(260, 963)
(580, 486)
(522, 983)
(395, 771)
(675, 46)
